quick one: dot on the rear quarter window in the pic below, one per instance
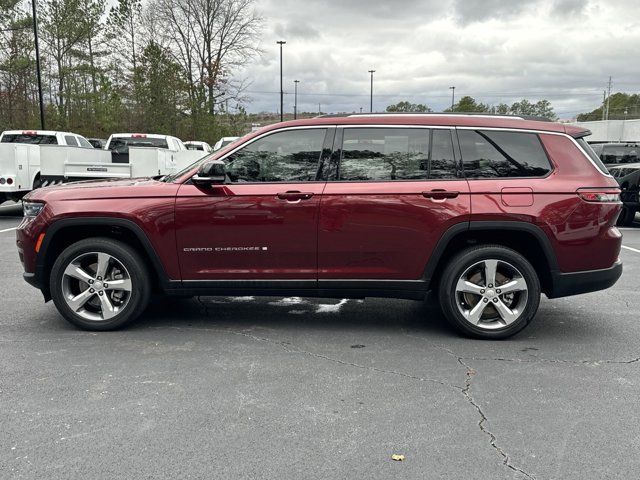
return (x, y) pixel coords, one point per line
(501, 154)
(592, 155)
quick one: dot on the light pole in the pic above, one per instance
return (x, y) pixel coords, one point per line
(453, 96)
(35, 35)
(371, 101)
(281, 42)
(295, 99)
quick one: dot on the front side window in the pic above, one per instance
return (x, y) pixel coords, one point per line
(500, 154)
(384, 154)
(70, 141)
(84, 142)
(289, 156)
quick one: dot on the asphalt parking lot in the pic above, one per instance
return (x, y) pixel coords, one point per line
(287, 388)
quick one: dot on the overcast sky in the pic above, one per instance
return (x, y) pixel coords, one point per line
(494, 50)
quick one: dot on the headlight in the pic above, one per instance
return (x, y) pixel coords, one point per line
(32, 209)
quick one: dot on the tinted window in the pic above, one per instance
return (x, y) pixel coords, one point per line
(191, 146)
(122, 144)
(443, 163)
(30, 139)
(384, 154)
(589, 151)
(488, 154)
(290, 156)
(615, 154)
(70, 140)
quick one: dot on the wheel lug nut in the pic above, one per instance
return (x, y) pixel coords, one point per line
(91, 290)
(495, 300)
(498, 291)
(99, 278)
(490, 285)
(485, 300)
(482, 291)
(100, 293)
(90, 282)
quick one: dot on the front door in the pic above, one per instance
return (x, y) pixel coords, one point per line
(391, 195)
(262, 223)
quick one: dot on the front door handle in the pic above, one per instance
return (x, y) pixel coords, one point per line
(294, 196)
(440, 194)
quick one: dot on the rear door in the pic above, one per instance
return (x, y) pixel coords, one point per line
(391, 194)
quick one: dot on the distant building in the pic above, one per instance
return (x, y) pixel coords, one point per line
(612, 130)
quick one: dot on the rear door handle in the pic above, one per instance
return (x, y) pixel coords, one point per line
(294, 196)
(440, 194)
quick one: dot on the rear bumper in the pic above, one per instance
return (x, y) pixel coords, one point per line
(575, 283)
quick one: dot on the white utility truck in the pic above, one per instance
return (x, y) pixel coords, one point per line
(126, 155)
(23, 153)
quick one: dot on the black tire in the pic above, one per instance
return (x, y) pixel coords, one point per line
(626, 217)
(135, 266)
(467, 259)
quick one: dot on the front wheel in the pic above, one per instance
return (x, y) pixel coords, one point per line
(489, 292)
(99, 284)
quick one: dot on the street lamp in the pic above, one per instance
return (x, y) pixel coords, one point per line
(295, 99)
(281, 42)
(35, 35)
(371, 101)
(453, 96)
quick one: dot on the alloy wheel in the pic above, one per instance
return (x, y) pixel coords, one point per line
(491, 294)
(96, 286)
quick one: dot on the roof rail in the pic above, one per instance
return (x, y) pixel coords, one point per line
(437, 114)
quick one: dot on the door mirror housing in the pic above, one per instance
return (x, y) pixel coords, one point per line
(210, 173)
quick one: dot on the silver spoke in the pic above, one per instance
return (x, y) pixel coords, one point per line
(103, 265)
(124, 284)
(515, 285)
(107, 307)
(77, 302)
(476, 312)
(74, 271)
(508, 315)
(465, 286)
(490, 268)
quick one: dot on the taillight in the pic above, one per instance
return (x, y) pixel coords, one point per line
(9, 181)
(599, 195)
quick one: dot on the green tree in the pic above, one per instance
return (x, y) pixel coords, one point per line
(408, 107)
(621, 106)
(468, 104)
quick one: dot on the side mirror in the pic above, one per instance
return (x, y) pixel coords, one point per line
(210, 173)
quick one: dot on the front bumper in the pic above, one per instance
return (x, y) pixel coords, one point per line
(575, 283)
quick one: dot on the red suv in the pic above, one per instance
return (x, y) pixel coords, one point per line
(487, 211)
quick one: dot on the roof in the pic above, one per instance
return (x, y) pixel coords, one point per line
(439, 119)
(37, 132)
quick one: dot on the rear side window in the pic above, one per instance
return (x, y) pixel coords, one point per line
(500, 154)
(70, 140)
(384, 154)
(30, 139)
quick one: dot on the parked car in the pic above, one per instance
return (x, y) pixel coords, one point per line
(21, 160)
(616, 153)
(119, 144)
(487, 211)
(223, 142)
(97, 142)
(200, 146)
(628, 176)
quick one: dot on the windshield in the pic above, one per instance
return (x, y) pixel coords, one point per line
(122, 144)
(30, 139)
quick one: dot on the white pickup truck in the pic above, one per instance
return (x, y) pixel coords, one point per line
(126, 155)
(23, 153)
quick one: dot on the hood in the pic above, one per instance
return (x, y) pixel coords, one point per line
(104, 189)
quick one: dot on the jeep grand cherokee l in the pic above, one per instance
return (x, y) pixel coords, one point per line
(487, 211)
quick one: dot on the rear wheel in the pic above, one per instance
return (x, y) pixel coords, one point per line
(489, 292)
(99, 284)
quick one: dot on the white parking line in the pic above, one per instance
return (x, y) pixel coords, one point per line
(8, 230)
(630, 248)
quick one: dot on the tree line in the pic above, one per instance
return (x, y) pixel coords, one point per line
(165, 66)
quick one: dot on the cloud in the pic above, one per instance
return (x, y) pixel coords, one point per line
(495, 50)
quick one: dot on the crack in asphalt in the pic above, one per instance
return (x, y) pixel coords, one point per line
(493, 440)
